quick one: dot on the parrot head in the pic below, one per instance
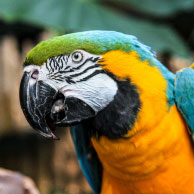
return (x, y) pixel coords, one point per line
(106, 80)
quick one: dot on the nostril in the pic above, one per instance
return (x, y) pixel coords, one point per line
(35, 74)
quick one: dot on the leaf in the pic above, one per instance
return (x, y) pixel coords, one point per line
(159, 7)
(82, 15)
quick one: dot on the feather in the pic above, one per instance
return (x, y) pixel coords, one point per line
(184, 95)
(87, 157)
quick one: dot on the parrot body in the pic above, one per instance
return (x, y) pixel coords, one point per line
(129, 121)
(149, 164)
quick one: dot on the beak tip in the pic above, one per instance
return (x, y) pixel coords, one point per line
(48, 134)
(55, 137)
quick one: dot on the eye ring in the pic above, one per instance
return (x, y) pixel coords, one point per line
(77, 57)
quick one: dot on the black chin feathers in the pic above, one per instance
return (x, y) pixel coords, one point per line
(119, 116)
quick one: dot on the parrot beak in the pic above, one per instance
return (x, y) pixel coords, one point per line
(36, 99)
(45, 107)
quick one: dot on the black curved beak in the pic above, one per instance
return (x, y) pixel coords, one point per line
(36, 99)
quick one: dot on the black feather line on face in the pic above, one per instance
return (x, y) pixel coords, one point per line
(120, 115)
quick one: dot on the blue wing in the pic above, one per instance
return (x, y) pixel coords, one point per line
(87, 157)
(184, 95)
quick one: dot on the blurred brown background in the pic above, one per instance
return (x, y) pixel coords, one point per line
(166, 26)
(51, 164)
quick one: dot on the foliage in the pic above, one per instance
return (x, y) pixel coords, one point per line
(159, 7)
(81, 15)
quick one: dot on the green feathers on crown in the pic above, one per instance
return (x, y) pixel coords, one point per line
(95, 42)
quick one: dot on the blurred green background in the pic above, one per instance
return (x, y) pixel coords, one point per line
(165, 25)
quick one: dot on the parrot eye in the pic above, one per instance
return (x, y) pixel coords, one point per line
(35, 74)
(77, 57)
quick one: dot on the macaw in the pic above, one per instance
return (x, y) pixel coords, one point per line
(131, 119)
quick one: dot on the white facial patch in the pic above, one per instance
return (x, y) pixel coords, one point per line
(97, 91)
(78, 75)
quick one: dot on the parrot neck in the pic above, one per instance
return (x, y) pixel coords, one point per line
(123, 110)
(150, 153)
